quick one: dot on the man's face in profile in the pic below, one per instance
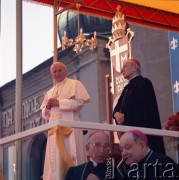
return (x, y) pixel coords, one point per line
(128, 70)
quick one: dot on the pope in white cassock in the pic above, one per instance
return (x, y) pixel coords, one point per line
(63, 102)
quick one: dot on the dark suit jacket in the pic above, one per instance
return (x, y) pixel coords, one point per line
(103, 171)
(139, 106)
(154, 166)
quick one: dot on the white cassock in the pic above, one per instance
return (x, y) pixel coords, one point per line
(72, 95)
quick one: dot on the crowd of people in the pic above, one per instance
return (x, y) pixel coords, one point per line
(142, 156)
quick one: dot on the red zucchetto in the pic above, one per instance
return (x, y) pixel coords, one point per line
(135, 61)
(139, 134)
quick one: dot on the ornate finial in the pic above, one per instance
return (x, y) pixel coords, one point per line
(118, 7)
(118, 24)
(78, 5)
(119, 27)
(80, 41)
(118, 12)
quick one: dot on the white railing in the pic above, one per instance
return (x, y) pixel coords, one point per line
(85, 125)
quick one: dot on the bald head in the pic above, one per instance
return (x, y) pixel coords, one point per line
(132, 137)
(57, 64)
(98, 134)
(139, 135)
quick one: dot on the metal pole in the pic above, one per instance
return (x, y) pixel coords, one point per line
(177, 147)
(109, 108)
(1, 147)
(18, 105)
(55, 57)
(0, 19)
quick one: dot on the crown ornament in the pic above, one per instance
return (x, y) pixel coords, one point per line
(118, 25)
(120, 28)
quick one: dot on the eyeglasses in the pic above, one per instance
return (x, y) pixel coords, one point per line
(98, 145)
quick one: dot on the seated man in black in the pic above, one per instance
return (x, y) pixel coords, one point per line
(142, 162)
(99, 166)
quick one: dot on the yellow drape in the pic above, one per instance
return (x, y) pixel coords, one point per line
(65, 160)
(170, 6)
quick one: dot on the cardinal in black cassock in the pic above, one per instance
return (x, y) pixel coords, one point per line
(137, 105)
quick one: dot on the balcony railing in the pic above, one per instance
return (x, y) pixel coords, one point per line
(88, 126)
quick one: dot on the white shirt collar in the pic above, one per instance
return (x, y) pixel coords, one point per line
(62, 82)
(94, 163)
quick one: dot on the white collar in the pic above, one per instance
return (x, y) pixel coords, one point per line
(94, 163)
(62, 82)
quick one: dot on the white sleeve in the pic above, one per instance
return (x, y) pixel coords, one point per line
(45, 113)
(70, 104)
